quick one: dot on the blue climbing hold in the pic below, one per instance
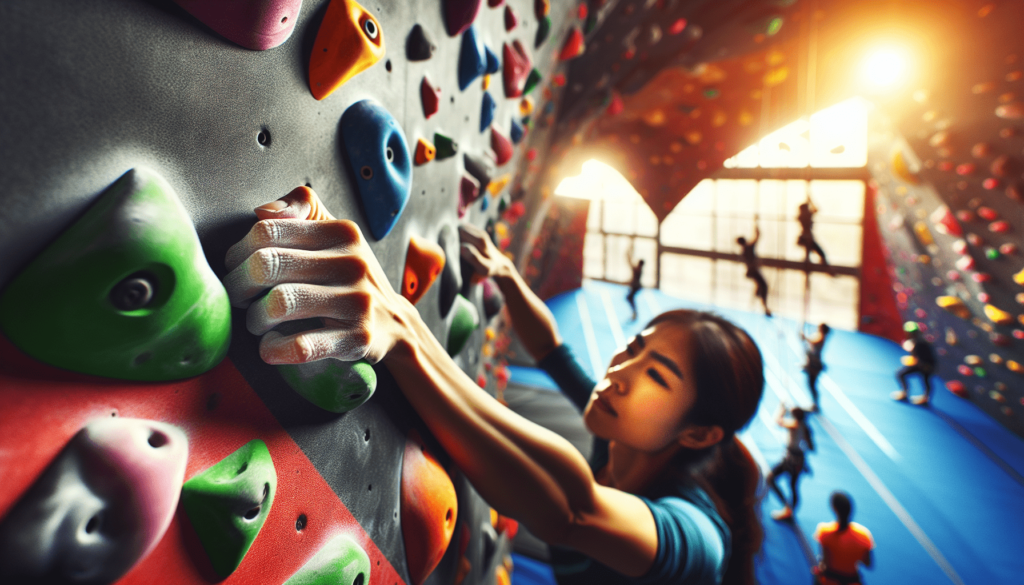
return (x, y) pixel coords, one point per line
(493, 64)
(379, 157)
(472, 58)
(485, 203)
(487, 111)
(516, 133)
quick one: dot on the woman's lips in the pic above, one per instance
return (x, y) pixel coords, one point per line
(602, 403)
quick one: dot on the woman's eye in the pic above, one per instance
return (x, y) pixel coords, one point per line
(657, 377)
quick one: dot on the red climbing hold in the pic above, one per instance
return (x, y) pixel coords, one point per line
(964, 370)
(965, 169)
(573, 46)
(957, 387)
(495, 3)
(431, 97)
(987, 213)
(516, 68)
(991, 183)
(469, 191)
(502, 147)
(429, 509)
(511, 20)
(677, 27)
(459, 14)
(945, 221)
(615, 105)
(999, 227)
(980, 277)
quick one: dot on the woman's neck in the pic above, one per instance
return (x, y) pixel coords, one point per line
(633, 471)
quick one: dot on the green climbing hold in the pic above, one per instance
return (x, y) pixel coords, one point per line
(339, 562)
(463, 320)
(543, 30)
(228, 503)
(980, 372)
(531, 81)
(125, 292)
(774, 26)
(445, 146)
(331, 384)
(502, 204)
(992, 254)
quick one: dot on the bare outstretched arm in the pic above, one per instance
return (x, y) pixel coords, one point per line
(326, 269)
(530, 317)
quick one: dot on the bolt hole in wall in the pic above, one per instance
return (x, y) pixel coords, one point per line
(699, 259)
(300, 523)
(263, 137)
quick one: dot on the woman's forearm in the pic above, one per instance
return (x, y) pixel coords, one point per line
(525, 471)
(531, 319)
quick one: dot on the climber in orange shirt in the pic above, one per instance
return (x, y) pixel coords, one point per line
(843, 545)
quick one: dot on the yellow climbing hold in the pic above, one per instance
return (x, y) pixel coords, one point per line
(498, 184)
(901, 169)
(923, 233)
(998, 316)
(908, 360)
(1019, 278)
(954, 305)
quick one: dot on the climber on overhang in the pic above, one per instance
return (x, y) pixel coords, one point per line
(753, 269)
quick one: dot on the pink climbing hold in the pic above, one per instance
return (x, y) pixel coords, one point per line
(964, 370)
(516, 68)
(999, 227)
(677, 26)
(573, 46)
(965, 215)
(983, 297)
(1008, 249)
(254, 24)
(953, 275)
(469, 191)
(431, 97)
(502, 146)
(511, 20)
(965, 169)
(975, 240)
(991, 183)
(459, 14)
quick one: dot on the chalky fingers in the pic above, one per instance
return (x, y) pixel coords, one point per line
(290, 302)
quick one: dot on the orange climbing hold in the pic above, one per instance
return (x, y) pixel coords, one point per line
(1014, 367)
(429, 509)
(425, 152)
(349, 41)
(424, 261)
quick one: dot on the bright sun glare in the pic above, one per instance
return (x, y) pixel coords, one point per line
(885, 67)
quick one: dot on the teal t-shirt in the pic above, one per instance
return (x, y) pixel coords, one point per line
(693, 540)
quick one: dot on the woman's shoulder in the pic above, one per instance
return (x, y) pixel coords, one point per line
(693, 540)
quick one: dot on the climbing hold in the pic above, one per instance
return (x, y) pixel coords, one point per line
(954, 305)
(493, 299)
(459, 15)
(331, 384)
(981, 277)
(516, 133)
(446, 147)
(425, 152)
(418, 45)
(349, 41)
(495, 3)
(531, 81)
(1014, 367)
(543, 30)
(966, 169)
(493, 63)
(972, 360)
(451, 274)
(379, 158)
(469, 191)
(228, 503)
(950, 336)
(573, 46)
(424, 261)
(1000, 227)
(525, 109)
(1008, 249)
(340, 561)
(511, 20)
(1011, 111)
(974, 239)
(517, 68)
(472, 58)
(957, 388)
(965, 263)
(480, 167)
(1019, 277)
(997, 315)
(485, 202)
(964, 370)
(258, 25)
(125, 292)
(502, 146)
(992, 254)
(945, 222)
(430, 96)
(924, 235)
(501, 576)
(496, 186)
(902, 170)
(541, 8)
(960, 247)
(100, 506)
(999, 339)
(987, 213)
(462, 321)
(487, 108)
(429, 509)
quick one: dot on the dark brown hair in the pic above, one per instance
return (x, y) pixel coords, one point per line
(729, 378)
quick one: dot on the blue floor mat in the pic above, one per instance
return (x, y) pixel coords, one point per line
(940, 487)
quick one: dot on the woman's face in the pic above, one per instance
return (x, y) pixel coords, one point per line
(647, 391)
